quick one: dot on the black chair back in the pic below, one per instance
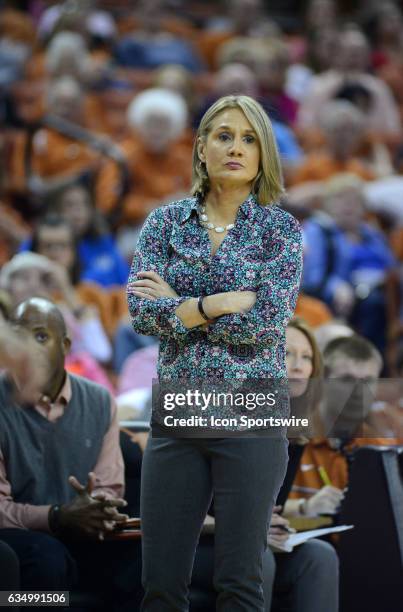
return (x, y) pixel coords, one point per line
(371, 555)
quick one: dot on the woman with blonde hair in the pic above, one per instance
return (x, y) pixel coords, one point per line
(305, 372)
(216, 277)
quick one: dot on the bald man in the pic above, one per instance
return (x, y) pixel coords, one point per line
(62, 475)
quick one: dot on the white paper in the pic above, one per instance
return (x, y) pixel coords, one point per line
(135, 400)
(295, 539)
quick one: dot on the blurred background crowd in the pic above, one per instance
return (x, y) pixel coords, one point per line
(99, 101)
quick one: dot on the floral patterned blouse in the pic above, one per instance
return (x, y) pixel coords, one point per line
(262, 253)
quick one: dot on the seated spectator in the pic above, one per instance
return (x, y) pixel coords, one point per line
(233, 79)
(62, 150)
(57, 157)
(341, 427)
(309, 575)
(77, 49)
(62, 476)
(29, 275)
(320, 55)
(343, 127)
(242, 19)
(304, 368)
(272, 74)
(53, 237)
(159, 164)
(150, 46)
(67, 56)
(353, 61)
(383, 25)
(347, 260)
(241, 50)
(181, 81)
(320, 14)
(84, 17)
(100, 260)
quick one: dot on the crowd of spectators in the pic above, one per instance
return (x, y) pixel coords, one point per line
(99, 102)
(98, 106)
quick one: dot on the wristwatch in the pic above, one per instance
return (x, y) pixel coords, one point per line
(54, 519)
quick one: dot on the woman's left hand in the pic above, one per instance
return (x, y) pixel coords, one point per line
(150, 286)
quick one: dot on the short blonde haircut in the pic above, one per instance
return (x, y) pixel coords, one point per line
(268, 184)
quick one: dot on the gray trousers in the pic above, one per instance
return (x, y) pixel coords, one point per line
(309, 575)
(179, 479)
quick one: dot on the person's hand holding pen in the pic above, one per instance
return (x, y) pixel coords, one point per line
(279, 530)
(326, 500)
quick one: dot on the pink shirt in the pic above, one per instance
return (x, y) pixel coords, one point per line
(109, 469)
(139, 369)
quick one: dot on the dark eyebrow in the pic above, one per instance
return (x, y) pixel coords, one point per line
(227, 127)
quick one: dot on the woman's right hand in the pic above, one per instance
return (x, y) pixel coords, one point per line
(150, 286)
